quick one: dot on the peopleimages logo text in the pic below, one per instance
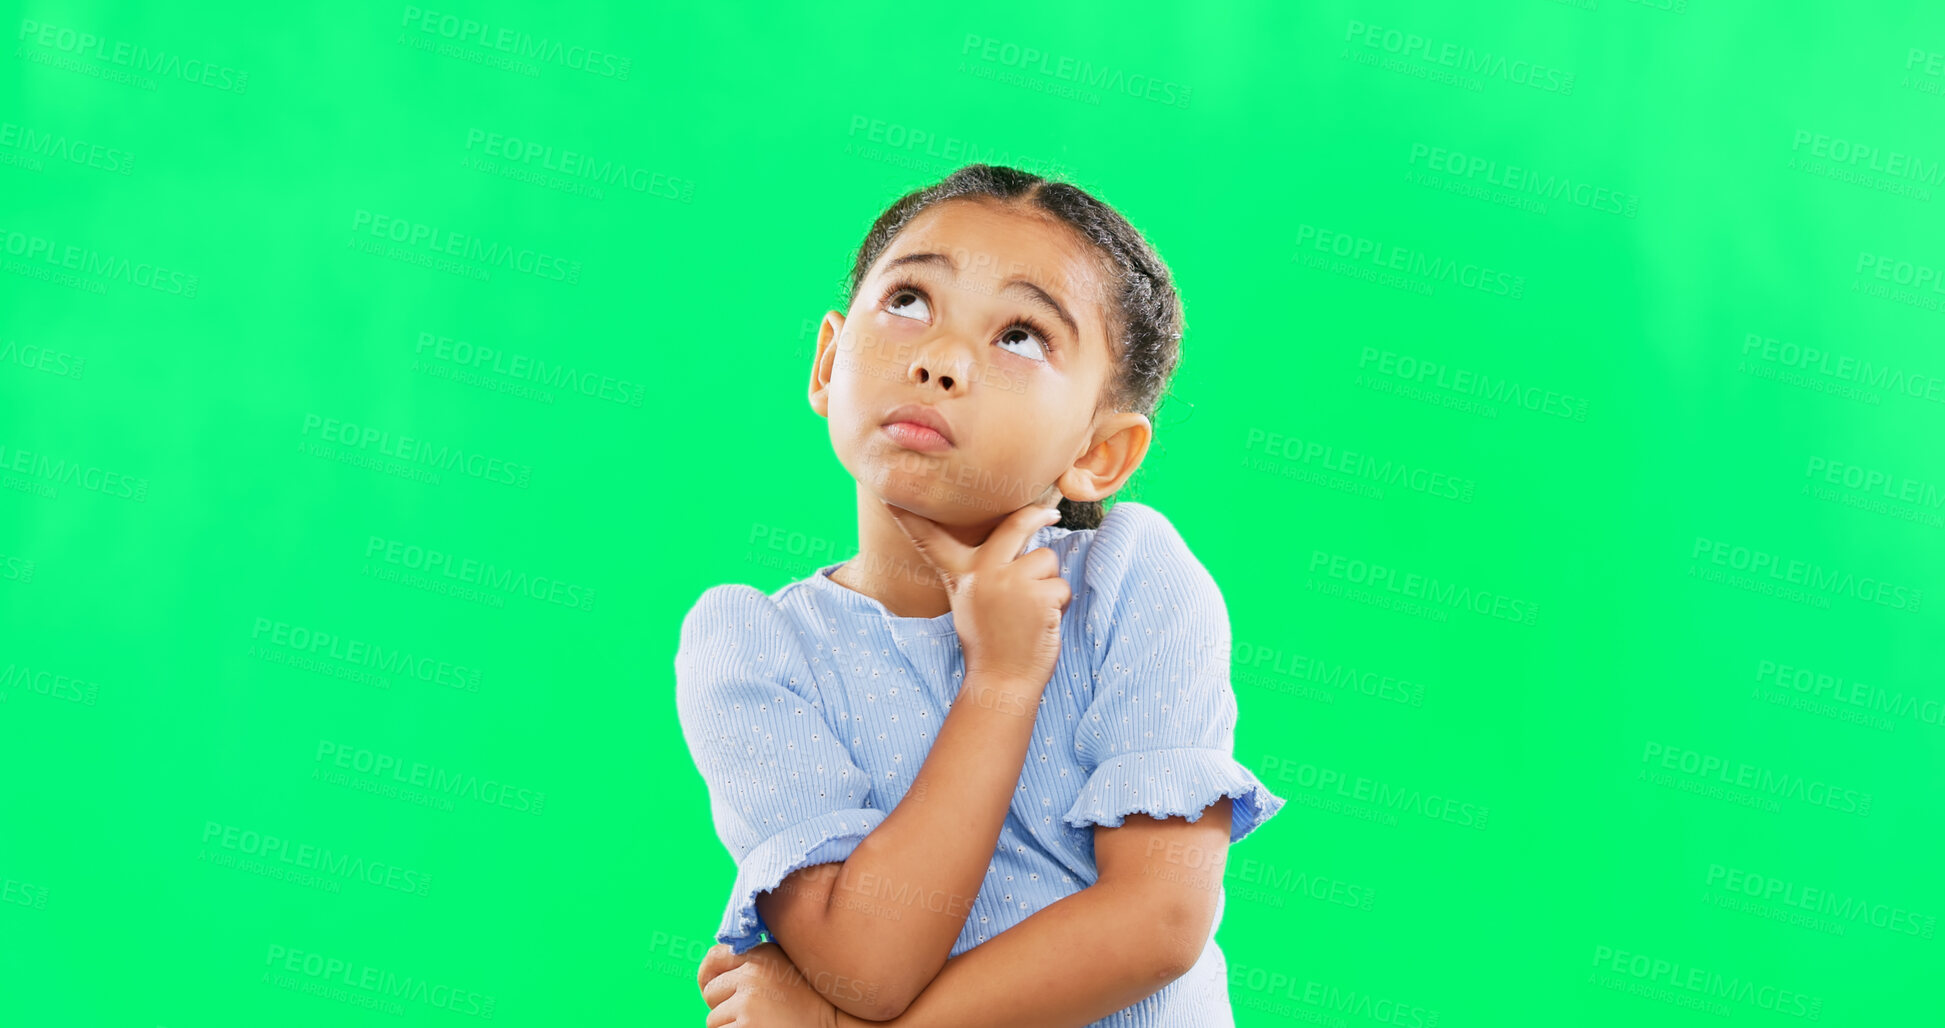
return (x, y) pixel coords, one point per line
(1034, 59)
(518, 43)
(1424, 587)
(133, 56)
(1805, 573)
(1459, 56)
(426, 561)
(1361, 249)
(458, 244)
(89, 261)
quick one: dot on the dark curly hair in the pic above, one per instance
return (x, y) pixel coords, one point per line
(1144, 313)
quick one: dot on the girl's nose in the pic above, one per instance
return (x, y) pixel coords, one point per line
(943, 362)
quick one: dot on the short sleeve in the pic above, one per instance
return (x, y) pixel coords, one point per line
(783, 790)
(1158, 735)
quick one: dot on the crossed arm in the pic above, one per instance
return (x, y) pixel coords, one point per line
(1140, 926)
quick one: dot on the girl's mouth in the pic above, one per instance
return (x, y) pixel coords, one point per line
(914, 436)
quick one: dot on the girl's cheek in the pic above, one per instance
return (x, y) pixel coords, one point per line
(889, 342)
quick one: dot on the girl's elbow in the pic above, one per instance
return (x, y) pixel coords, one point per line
(1179, 945)
(874, 1005)
(879, 997)
(1172, 964)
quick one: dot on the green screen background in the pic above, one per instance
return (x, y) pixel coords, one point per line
(1680, 311)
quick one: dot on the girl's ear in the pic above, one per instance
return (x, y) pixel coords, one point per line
(822, 366)
(1120, 443)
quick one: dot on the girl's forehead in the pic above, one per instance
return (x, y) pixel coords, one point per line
(999, 227)
(984, 239)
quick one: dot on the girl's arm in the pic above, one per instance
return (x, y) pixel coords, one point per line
(870, 932)
(1140, 926)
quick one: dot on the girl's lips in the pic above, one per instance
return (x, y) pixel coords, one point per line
(914, 436)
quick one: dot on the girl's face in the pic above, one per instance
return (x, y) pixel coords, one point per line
(990, 317)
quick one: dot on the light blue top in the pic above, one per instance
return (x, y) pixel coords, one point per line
(808, 712)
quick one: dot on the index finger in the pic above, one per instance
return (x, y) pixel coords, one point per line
(1011, 536)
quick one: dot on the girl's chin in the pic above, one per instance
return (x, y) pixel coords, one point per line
(932, 497)
(910, 467)
(946, 505)
(938, 503)
(932, 486)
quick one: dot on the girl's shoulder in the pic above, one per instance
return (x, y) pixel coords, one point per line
(1136, 545)
(733, 618)
(727, 601)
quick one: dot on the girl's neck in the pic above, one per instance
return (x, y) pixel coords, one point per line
(889, 569)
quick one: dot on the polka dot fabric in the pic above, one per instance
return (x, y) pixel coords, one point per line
(809, 711)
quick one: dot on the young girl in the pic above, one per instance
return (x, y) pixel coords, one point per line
(980, 773)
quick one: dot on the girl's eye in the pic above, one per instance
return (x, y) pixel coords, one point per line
(905, 302)
(909, 302)
(1025, 334)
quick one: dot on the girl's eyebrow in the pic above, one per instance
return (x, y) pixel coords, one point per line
(1034, 293)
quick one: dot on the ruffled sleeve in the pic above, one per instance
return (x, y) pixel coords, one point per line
(783, 790)
(1158, 736)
